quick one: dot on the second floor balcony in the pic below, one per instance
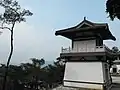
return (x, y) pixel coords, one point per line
(103, 48)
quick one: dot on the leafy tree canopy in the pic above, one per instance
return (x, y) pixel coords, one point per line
(13, 12)
(115, 49)
(113, 8)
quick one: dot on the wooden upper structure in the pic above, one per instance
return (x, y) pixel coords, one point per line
(87, 32)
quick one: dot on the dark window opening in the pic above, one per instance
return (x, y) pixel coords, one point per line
(99, 42)
(114, 70)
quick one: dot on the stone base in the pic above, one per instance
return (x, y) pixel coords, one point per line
(69, 88)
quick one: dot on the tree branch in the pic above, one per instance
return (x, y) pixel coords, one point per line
(5, 28)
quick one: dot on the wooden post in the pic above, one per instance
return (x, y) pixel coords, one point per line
(61, 49)
(69, 48)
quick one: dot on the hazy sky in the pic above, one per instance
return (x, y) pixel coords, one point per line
(36, 38)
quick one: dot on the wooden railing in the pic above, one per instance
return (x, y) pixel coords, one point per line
(96, 49)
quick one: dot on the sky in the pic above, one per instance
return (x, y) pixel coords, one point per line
(36, 38)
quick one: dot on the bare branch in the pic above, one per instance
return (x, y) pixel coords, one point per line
(3, 23)
(5, 28)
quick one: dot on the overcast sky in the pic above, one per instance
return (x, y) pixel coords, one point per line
(36, 37)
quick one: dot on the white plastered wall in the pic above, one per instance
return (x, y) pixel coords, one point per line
(84, 72)
(84, 46)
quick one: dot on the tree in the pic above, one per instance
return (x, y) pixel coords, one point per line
(34, 72)
(54, 74)
(15, 72)
(38, 62)
(113, 8)
(34, 75)
(36, 67)
(12, 14)
(115, 49)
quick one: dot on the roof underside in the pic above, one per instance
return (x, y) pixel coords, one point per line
(87, 29)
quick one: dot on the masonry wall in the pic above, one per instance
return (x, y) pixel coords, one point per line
(84, 74)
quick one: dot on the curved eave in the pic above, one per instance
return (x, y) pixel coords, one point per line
(69, 33)
(110, 37)
(71, 30)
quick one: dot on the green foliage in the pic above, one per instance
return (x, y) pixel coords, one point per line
(38, 62)
(13, 12)
(50, 75)
(113, 8)
(115, 49)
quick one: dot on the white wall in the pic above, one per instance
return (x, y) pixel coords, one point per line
(83, 46)
(84, 72)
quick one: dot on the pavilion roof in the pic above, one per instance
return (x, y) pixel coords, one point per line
(87, 26)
